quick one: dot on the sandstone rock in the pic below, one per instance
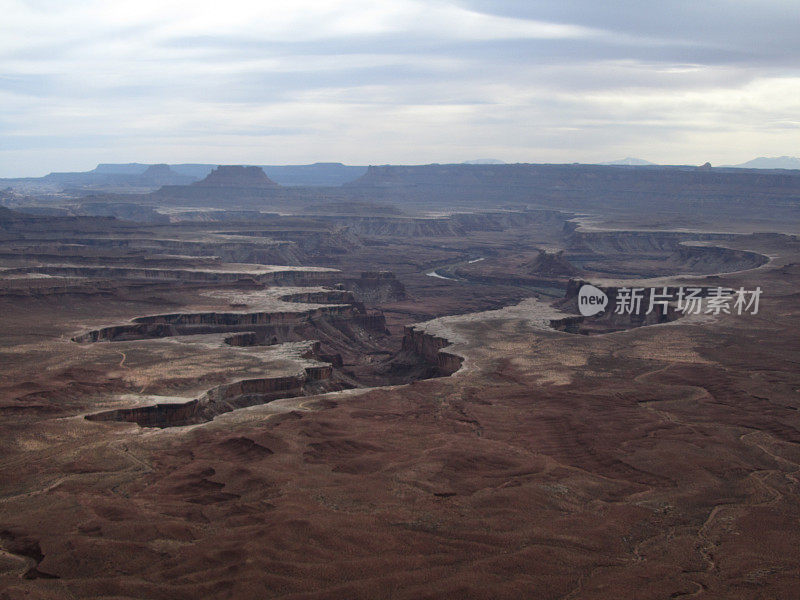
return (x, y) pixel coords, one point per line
(552, 265)
(237, 176)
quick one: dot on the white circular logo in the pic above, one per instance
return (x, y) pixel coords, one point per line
(591, 300)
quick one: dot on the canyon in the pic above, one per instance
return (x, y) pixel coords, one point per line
(235, 388)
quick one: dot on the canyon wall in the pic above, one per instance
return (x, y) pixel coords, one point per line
(262, 325)
(430, 348)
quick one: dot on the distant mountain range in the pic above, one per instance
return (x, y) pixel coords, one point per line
(142, 178)
(321, 173)
(631, 162)
(778, 162)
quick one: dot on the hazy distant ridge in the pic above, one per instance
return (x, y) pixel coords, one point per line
(321, 173)
(777, 162)
(631, 162)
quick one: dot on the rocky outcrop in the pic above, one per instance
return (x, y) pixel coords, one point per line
(374, 287)
(641, 243)
(157, 415)
(233, 319)
(356, 349)
(248, 392)
(430, 348)
(716, 259)
(658, 253)
(219, 400)
(323, 297)
(264, 251)
(320, 373)
(568, 324)
(551, 265)
(279, 325)
(542, 271)
(245, 338)
(315, 378)
(25, 550)
(235, 176)
(126, 332)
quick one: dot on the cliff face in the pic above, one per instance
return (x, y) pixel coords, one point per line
(715, 259)
(650, 190)
(639, 242)
(222, 399)
(236, 177)
(264, 325)
(600, 177)
(346, 330)
(255, 251)
(429, 347)
(157, 415)
(121, 273)
(655, 253)
(376, 287)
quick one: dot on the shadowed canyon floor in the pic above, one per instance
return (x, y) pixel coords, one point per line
(421, 438)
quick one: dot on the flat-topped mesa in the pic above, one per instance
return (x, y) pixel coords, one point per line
(162, 174)
(237, 176)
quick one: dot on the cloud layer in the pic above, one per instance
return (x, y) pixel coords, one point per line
(395, 81)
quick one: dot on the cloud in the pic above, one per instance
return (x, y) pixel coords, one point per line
(394, 81)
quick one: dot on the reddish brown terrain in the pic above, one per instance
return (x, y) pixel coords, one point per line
(373, 400)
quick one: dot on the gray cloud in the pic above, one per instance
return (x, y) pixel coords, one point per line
(757, 32)
(399, 81)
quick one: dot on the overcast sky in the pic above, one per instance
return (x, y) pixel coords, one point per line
(395, 81)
